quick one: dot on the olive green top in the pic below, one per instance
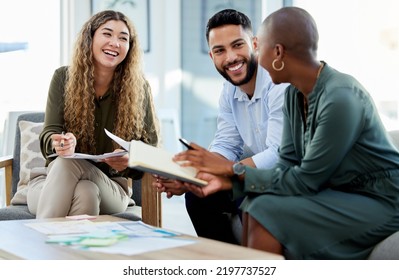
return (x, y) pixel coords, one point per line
(105, 110)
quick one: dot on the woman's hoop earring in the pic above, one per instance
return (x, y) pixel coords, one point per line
(274, 66)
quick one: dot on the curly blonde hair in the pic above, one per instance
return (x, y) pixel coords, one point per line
(129, 87)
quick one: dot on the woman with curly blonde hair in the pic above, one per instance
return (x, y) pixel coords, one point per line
(103, 88)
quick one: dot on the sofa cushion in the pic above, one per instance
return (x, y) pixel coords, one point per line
(30, 157)
(21, 212)
(15, 212)
(132, 213)
(388, 249)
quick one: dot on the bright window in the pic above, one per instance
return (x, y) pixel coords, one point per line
(361, 38)
(29, 54)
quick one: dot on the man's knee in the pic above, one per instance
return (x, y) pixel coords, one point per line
(192, 201)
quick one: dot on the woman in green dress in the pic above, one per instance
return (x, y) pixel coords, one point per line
(334, 193)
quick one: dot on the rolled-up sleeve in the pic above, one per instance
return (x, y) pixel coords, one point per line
(274, 103)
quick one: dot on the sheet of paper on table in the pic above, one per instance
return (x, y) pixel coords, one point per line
(126, 237)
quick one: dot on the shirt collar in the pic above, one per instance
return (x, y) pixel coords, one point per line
(260, 79)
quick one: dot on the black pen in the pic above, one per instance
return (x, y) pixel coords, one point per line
(62, 140)
(186, 144)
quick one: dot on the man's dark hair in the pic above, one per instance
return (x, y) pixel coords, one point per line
(228, 16)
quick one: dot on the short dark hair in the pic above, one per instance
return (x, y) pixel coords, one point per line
(228, 16)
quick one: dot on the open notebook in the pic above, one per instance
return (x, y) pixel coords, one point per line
(155, 160)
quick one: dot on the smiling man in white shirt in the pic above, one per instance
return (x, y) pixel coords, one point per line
(249, 125)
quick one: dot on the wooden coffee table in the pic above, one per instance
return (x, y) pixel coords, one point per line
(17, 241)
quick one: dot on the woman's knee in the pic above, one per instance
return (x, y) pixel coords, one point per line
(270, 205)
(86, 199)
(260, 238)
(67, 166)
(86, 191)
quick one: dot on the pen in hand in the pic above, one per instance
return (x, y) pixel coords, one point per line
(62, 139)
(186, 144)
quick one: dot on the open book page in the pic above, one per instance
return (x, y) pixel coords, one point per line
(155, 160)
(124, 144)
(93, 157)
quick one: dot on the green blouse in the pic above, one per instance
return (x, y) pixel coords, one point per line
(342, 145)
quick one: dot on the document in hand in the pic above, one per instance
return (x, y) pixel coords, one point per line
(124, 144)
(155, 160)
(93, 157)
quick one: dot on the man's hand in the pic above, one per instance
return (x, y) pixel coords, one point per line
(169, 186)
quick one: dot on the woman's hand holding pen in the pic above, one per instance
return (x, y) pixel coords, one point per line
(63, 144)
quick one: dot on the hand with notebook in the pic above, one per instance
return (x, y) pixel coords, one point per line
(147, 158)
(215, 184)
(157, 161)
(204, 160)
(170, 187)
(201, 160)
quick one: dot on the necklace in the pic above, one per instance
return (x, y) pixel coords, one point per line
(319, 71)
(305, 103)
(305, 108)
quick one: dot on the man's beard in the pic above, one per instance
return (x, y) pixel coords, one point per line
(252, 64)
